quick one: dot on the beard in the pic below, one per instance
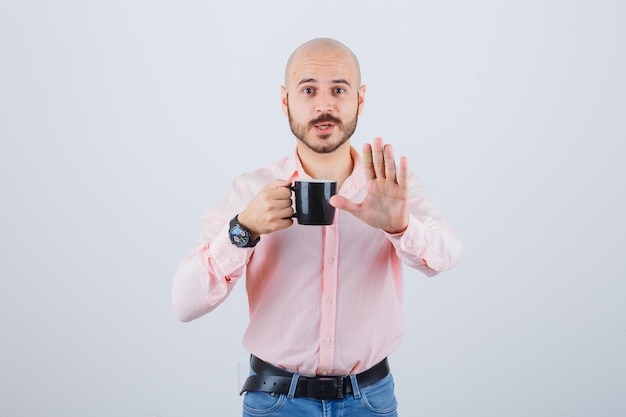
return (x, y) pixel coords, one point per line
(300, 131)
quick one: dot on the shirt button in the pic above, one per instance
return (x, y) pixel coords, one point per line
(324, 372)
(329, 300)
(327, 339)
(409, 243)
(331, 260)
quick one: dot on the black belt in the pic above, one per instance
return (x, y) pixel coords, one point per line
(270, 378)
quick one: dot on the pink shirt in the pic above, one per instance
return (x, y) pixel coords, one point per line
(323, 300)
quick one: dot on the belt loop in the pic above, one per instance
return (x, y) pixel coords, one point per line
(293, 385)
(355, 387)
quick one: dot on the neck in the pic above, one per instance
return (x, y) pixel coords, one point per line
(336, 165)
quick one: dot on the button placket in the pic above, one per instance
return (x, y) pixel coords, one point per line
(329, 295)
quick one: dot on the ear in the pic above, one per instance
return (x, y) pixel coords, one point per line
(284, 101)
(361, 98)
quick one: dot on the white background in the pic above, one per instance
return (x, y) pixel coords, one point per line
(121, 121)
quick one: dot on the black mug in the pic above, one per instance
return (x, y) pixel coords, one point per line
(313, 201)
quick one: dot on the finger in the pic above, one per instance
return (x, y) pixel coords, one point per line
(378, 159)
(368, 166)
(403, 173)
(390, 164)
(279, 193)
(284, 213)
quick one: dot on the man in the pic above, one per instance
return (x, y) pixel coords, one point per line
(325, 302)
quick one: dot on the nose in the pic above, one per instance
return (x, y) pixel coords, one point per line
(324, 103)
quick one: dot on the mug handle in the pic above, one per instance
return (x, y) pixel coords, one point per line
(293, 189)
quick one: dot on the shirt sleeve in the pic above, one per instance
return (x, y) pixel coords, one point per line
(428, 244)
(207, 275)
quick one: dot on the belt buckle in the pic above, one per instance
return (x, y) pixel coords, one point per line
(340, 388)
(330, 387)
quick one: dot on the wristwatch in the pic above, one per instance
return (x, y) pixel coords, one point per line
(240, 236)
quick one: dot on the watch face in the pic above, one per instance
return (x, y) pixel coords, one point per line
(240, 237)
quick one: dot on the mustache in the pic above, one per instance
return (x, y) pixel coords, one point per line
(326, 117)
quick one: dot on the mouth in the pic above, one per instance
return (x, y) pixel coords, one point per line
(324, 127)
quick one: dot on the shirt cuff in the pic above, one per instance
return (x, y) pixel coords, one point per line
(411, 237)
(227, 257)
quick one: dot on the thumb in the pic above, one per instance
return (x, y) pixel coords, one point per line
(284, 183)
(279, 183)
(343, 203)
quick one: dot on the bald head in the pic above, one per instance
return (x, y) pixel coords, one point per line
(321, 49)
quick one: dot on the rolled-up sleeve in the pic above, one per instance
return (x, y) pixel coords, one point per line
(429, 243)
(206, 276)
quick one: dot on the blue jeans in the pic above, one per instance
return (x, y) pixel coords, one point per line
(374, 400)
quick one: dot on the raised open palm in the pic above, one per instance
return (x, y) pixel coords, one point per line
(386, 205)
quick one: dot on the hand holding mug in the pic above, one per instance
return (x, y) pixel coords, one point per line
(270, 210)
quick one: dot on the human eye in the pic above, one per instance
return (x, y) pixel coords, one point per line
(339, 90)
(308, 90)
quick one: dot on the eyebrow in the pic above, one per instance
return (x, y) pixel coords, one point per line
(313, 80)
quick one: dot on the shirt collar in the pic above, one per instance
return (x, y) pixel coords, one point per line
(354, 182)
